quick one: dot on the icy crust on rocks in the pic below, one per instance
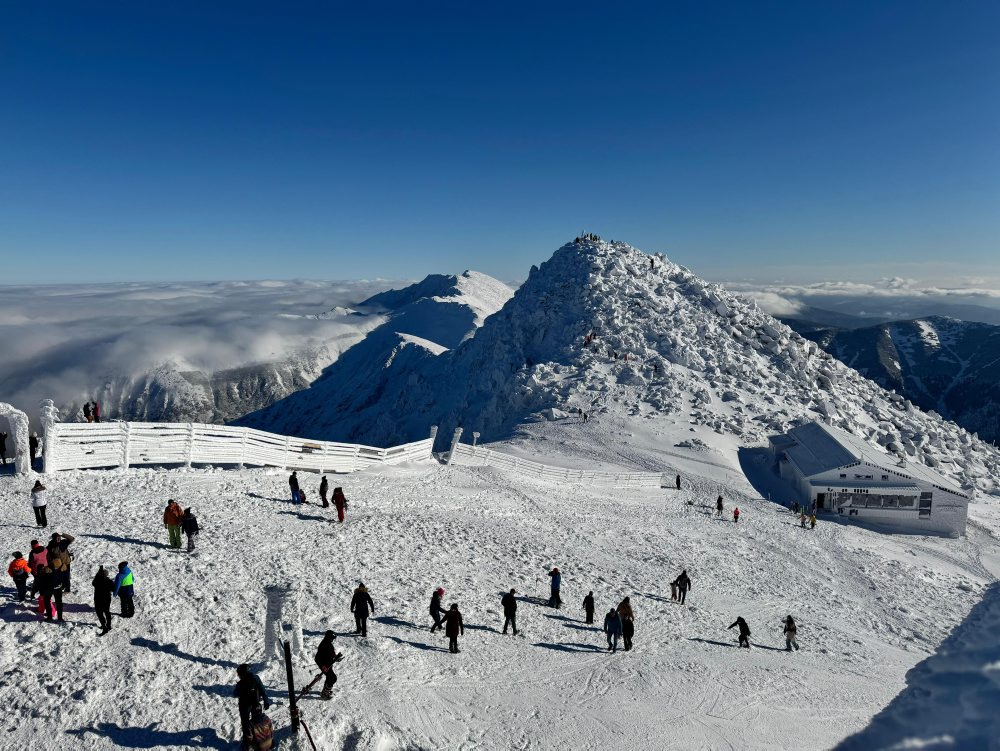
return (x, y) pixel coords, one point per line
(694, 349)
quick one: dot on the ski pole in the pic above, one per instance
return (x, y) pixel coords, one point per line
(308, 734)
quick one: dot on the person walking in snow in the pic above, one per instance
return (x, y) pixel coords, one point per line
(173, 515)
(555, 601)
(628, 622)
(60, 559)
(18, 570)
(326, 656)
(125, 589)
(736, 514)
(189, 526)
(812, 521)
(324, 486)
(3, 448)
(453, 628)
(33, 448)
(744, 631)
(509, 603)
(613, 629)
(436, 609)
(588, 606)
(683, 584)
(293, 486)
(360, 604)
(340, 501)
(802, 520)
(250, 694)
(718, 507)
(104, 587)
(39, 501)
(789, 632)
(677, 482)
(88, 412)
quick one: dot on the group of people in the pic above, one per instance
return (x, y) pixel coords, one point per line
(92, 411)
(789, 631)
(299, 495)
(176, 521)
(719, 509)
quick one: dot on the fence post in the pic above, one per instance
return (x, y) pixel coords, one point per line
(190, 444)
(354, 459)
(127, 430)
(434, 435)
(454, 443)
(288, 447)
(243, 447)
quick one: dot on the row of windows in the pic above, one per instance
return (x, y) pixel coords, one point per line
(868, 500)
(843, 476)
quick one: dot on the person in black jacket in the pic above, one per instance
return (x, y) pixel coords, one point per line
(189, 525)
(3, 448)
(453, 627)
(293, 486)
(360, 604)
(104, 586)
(33, 447)
(744, 631)
(250, 693)
(683, 583)
(588, 606)
(436, 609)
(509, 603)
(326, 656)
(324, 486)
(50, 586)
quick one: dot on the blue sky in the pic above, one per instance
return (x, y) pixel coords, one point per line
(793, 141)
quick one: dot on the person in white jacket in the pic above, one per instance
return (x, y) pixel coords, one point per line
(39, 499)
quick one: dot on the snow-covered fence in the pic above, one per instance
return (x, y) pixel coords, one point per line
(81, 445)
(480, 455)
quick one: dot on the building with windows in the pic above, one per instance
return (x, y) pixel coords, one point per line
(836, 472)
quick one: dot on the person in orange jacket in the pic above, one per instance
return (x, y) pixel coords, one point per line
(18, 570)
(173, 515)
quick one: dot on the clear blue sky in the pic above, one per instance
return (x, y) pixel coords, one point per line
(175, 141)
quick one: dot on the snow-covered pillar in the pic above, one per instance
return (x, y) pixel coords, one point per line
(19, 437)
(434, 435)
(190, 444)
(126, 441)
(354, 458)
(243, 447)
(49, 418)
(288, 448)
(282, 620)
(454, 444)
(475, 438)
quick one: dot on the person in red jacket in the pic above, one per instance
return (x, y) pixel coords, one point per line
(736, 514)
(18, 570)
(340, 501)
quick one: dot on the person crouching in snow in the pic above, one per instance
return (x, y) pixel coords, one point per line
(613, 629)
(340, 501)
(744, 631)
(436, 609)
(189, 525)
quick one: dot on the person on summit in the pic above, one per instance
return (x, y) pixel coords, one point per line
(124, 590)
(250, 693)
(677, 482)
(628, 622)
(103, 589)
(18, 570)
(173, 515)
(789, 631)
(736, 514)
(360, 603)
(293, 485)
(39, 500)
(613, 629)
(189, 526)
(718, 507)
(33, 448)
(340, 501)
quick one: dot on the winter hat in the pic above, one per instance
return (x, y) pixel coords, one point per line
(440, 591)
(329, 635)
(17, 554)
(122, 565)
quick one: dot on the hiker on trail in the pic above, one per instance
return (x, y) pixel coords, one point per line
(613, 629)
(736, 514)
(555, 601)
(173, 515)
(436, 609)
(189, 526)
(677, 482)
(3, 448)
(360, 604)
(33, 448)
(628, 622)
(104, 587)
(744, 631)
(509, 603)
(18, 570)
(683, 584)
(588, 606)
(340, 501)
(38, 556)
(326, 656)
(324, 486)
(59, 558)
(88, 412)
(453, 627)
(124, 589)
(812, 521)
(250, 693)
(39, 500)
(293, 485)
(789, 632)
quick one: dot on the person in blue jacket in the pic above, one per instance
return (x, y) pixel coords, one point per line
(124, 583)
(554, 600)
(613, 628)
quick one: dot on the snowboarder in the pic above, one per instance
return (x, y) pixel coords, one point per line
(33, 448)
(628, 622)
(509, 603)
(103, 589)
(683, 584)
(59, 559)
(49, 586)
(812, 522)
(18, 570)
(293, 485)
(436, 609)
(326, 656)
(340, 501)
(173, 515)
(125, 590)
(39, 500)
(360, 604)
(613, 629)
(453, 627)
(88, 412)
(736, 514)
(718, 507)
(677, 482)
(554, 600)
(588, 606)
(789, 632)
(324, 486)
(250, 693)
(3, 448)
(189, 525)
(744, 631)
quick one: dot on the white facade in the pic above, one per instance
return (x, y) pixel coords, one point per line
(836, 472)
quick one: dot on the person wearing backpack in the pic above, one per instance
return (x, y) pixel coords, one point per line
(18, 570)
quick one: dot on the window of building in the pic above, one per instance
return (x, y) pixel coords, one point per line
(885, 477)
(843, 476)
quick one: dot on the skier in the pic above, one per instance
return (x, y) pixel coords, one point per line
(124, 589)
(613, 629)
(718, 507)
(3, 448)
(103, 588)
(436, 609)
(293, 485)
(250, 693)
(39, 500)
(812, 522)
(509, 603)
(18, 570)
(588, 606)
(744, 631)
(324, 486)
(453, 627)
(677, 482)
(33, 447)
(59, 558)
(340, 501)
(628, 622)
(683, 583)
(88, 413)
(173, 515)
(189, 525)
(359, 606)
(789, 632)
(554, 600)
(326, 656)
(49, 586)
(736, 514)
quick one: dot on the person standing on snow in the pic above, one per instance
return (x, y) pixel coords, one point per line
(340, 501)
(360, 604)
(683, 584)
(39, 501)
(736, 514)
(88, 412)
(18, 570)
(103, 589)
(59, 559)
(3, 448)
(613, 629)
(326, 656)
(789, 632)
(50, 587)
(744, 631)
(250, 693)
(812, 521)
(555, 601)
(453, 627)
(509, 603)
(718, 507)
(97, 411)
(588, 606)
(436, 609)
(37, 556)
(324, 486)
(189, 525)
(173, 515)
(677, 482)
(293, 486)
(124, 589)
(628, 622)
(802, 520)
(33, 448)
